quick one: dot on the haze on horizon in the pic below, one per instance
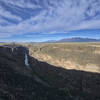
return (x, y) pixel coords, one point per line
(42, 20)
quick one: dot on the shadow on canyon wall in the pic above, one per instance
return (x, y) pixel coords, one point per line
(42, 81)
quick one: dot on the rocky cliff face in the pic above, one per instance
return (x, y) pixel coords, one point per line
(79, 56)
(13, 51)
(14, 56)
(42, 81)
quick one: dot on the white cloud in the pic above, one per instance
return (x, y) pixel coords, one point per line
(7, 14)
(65, 15)
(22, 3)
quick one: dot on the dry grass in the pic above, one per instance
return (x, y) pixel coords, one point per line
(80, 56)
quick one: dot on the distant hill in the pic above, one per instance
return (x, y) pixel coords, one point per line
(76, 39)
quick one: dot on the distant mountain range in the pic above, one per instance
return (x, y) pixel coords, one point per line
(75, 39)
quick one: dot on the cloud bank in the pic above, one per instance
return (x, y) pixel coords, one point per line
(47, 16)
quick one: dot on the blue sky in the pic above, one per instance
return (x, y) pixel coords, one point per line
(42, 20)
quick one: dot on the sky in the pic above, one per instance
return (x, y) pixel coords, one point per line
(43, 20)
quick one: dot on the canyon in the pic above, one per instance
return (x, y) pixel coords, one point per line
(24, 77)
